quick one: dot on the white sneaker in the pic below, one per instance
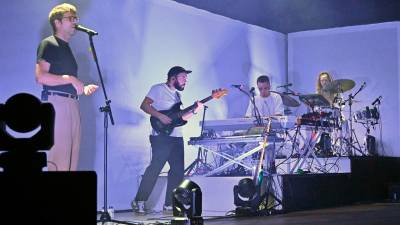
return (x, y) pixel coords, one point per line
(138, 206)
(167, 208)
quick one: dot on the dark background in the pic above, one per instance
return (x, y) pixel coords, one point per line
(288, 16)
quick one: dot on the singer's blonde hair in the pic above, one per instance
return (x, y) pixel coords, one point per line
(57, 13)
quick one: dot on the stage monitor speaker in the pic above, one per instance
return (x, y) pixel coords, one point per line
(48, 198)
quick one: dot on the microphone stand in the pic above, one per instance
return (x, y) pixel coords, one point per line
(253, 102)
(351, 146)
(255, 109)
(199, 152)
(104, 215)
(202, 121)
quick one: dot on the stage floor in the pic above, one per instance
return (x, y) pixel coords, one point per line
(362, 214)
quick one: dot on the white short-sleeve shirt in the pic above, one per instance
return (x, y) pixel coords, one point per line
(163, 99)
(267, 106)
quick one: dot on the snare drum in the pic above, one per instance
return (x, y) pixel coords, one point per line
(331, 114)
(319, 119)
(366, 114)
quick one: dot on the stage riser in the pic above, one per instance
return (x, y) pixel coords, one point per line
(371, 180)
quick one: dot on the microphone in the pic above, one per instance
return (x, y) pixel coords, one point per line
(237, 85)
(252, 89)
(86, 30)
(377, 100)
(285, 85)
(363, 85)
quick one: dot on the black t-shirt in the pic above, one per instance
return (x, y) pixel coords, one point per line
(58, 53)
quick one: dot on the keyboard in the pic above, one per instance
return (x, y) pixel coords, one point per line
(235, 124)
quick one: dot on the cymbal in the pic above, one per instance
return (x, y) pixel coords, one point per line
(340, 86)
(287, 100)
(313, 100)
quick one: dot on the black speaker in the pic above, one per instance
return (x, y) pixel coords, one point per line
(313, 191)
(48, 198)
(372, 176)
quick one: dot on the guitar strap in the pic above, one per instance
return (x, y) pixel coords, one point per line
(178, 97)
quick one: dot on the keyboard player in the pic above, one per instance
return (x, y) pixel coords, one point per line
(266, 104)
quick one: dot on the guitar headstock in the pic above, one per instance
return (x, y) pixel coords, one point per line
(218, 93)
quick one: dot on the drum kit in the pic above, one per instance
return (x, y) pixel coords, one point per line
(328, 117)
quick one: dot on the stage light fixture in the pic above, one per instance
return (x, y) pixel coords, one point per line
(187, 204)
(24, 113)
(246, 197)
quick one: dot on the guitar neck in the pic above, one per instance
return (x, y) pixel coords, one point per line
(262, 155)
(190, 108)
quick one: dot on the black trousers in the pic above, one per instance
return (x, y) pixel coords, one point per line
(164, 149)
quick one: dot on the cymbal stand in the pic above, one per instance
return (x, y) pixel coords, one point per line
(350, 143)
(338, 140)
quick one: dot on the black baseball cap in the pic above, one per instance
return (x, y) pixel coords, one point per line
(177, 70)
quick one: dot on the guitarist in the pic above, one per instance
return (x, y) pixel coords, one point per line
(165, 148)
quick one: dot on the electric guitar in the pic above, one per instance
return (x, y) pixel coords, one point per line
(258, 174)
(175, 113)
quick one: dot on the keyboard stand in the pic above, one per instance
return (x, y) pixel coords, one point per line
(308, 152)
(231, 160)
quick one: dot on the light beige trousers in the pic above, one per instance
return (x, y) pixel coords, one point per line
(64, 154)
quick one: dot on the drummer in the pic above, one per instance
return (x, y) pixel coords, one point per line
(328, 89)
(324, 79)
(267, 103)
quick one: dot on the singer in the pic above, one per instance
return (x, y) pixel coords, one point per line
(267, 103)
(57, 70)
